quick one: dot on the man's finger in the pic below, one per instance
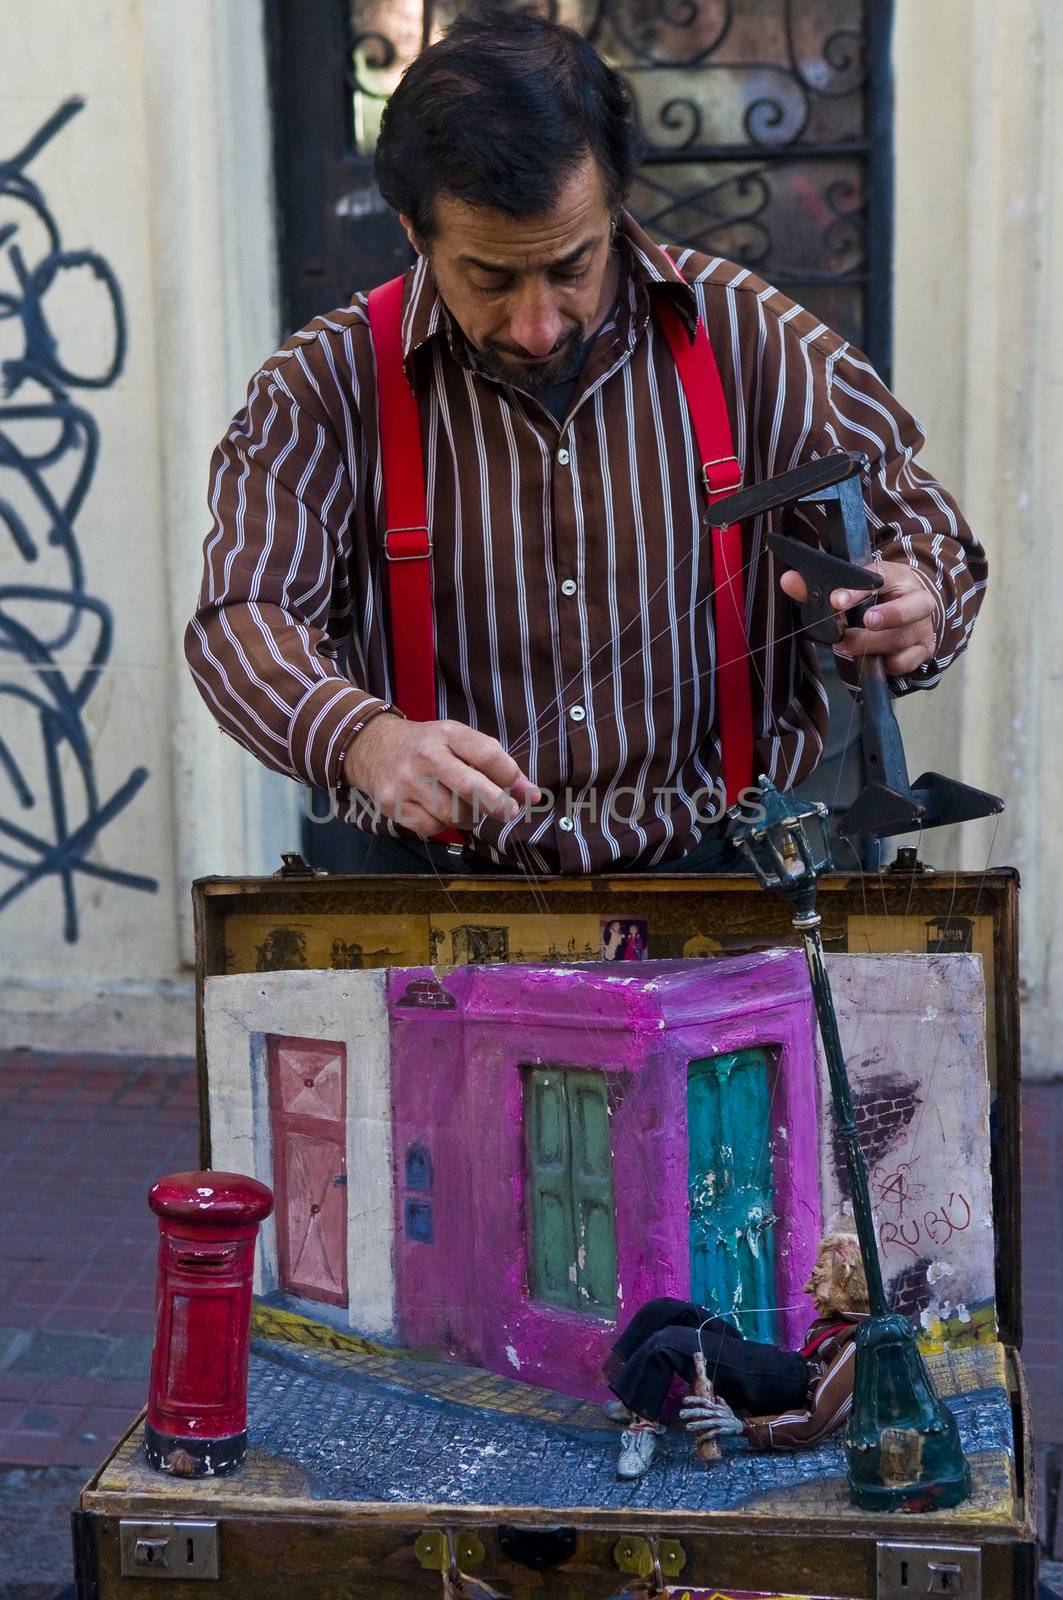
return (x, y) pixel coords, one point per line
(914, 606)
(478, 792)
(486, 755)
(845, 599)
(794, 585)
(907, 661)
(863, 642)
(428, 794)
(408, 814)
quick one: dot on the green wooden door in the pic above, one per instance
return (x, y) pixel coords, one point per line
(732, 1247)
(570, 1190)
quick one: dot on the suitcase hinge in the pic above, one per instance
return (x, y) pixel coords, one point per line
(658, 1559)
(441, 1550)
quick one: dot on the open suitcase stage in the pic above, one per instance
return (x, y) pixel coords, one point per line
(404, 1442)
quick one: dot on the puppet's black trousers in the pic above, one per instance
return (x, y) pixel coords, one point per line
(660, 1342)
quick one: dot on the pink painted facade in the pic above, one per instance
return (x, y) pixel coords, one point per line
(461, 1051)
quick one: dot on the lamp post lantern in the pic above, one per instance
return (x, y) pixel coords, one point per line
(903, 1445)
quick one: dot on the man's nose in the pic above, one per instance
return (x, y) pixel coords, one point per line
(535, 321)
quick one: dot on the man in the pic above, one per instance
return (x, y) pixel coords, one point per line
(576, 661)
(790, 1399)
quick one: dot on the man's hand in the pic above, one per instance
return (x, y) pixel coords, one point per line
(708, 1419)
(431, 775)
(900, 624)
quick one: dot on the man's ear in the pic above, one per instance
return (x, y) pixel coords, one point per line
(411, 233)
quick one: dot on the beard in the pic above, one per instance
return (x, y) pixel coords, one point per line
(502, 361)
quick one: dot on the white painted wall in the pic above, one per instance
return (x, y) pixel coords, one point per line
(979, 356)
(165, 173)
(239, 1012)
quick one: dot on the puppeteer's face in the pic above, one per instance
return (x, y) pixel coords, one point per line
(527, 292)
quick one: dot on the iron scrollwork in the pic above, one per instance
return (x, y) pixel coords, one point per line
(753, 115)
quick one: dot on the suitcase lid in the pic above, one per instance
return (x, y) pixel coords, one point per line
(306, 919)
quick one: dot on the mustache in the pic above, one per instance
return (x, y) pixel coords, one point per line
(501, 347)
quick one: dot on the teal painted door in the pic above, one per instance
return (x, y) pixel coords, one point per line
(732, 1245)
(572, 1251)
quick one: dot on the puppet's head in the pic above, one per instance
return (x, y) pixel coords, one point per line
(836, 1282)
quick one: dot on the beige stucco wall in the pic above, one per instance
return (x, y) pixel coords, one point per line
(164, 174)
(979, 356)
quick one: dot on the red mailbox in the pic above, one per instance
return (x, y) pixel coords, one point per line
(197, 1404)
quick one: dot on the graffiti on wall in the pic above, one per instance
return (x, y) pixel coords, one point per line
(55, 635)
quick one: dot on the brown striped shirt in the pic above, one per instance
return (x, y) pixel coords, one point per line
(571, 573)
(830, 1399)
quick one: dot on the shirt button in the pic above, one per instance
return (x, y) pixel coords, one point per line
(569, 586)
(566, 824)
(577, 713)
(563, 458)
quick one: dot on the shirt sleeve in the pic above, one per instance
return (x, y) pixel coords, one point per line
(911, 517)
(829, 1411)
(263, 642)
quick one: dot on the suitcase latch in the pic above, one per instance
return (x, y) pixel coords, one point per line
(168, 1549)
(907, 1570)
(538, 1548)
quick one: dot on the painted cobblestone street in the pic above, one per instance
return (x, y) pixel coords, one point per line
(361, 1429)
(81, 1139)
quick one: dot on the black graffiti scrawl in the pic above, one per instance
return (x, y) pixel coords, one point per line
(55, 636)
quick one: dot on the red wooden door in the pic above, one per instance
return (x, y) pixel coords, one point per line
(308, 1103)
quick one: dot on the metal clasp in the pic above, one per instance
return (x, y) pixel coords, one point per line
(416, 555)
(732, 480)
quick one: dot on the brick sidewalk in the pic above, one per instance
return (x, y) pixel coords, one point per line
(81, 1140)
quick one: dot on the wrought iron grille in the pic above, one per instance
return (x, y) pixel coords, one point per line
(765, 126)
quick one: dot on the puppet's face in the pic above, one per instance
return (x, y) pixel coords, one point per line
(836, 1282)
(527, 291)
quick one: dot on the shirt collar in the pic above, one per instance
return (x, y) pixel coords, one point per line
(650, 271)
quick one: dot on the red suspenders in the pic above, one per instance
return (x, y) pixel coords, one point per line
(407, 544)
(408, 547)
(721, 474)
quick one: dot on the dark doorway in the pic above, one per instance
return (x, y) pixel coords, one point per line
(768, 136)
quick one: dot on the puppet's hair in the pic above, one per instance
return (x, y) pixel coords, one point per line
(850, 1284)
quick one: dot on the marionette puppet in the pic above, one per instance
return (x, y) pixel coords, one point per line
(777, 1399)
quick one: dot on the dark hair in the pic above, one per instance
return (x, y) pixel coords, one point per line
(498, 113)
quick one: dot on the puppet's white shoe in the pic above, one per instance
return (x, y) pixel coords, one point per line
(617, 1411)
(636, 1451)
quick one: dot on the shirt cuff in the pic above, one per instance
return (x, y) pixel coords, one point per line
(325, 721)
(757, 1433)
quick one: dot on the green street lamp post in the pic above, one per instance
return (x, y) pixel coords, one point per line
(903, 1446)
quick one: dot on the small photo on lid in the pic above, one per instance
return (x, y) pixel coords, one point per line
(625, 938)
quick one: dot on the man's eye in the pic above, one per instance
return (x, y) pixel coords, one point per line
(571, 277)
(491, 288)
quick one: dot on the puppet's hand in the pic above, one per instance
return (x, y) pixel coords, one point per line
(708, 1419)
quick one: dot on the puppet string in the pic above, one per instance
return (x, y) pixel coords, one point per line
(636, 617)
(539, 728)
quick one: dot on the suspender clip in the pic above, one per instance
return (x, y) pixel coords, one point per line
(726, 479)
(408, 544)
